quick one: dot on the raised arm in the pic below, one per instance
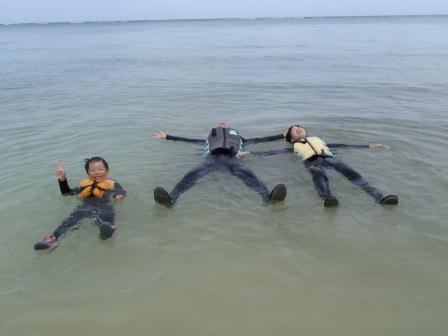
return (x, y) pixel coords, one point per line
(263, 139)
(162, 135)
(62, 179)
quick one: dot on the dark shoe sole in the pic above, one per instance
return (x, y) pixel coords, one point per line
(331, 202)
(161, 196)
(44, 246)
(41, 246)
(106, 231)
(389, 200)
(278, 194)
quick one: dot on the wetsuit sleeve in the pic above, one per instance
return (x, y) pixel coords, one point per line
(336, 145)
(119, 190)
(65, 189)
(263, 139)
(274, 152)
(176, 138)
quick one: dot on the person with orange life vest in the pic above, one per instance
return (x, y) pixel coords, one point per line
(95, 193)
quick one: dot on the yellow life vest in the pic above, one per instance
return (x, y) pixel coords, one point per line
(311, 146)
(91, 188)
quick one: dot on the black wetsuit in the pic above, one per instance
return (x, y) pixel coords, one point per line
(221, 162)
(316, 166)
(100, 209)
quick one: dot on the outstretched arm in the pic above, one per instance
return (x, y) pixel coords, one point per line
(263, 139)
(164, 136)
(376, 146)
(274, 152)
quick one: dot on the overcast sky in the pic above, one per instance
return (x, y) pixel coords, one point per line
(20, 11)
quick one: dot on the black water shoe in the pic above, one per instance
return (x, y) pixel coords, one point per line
(389, 200)
(161, 196)
(278, 194)
(331, 201)
(106, 230)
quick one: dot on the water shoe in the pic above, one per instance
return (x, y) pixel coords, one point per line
(161, 196)
(331, 201)
(49, 241)
(278, 194)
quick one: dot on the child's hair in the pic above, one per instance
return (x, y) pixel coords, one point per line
(95, 159)
(288, 134)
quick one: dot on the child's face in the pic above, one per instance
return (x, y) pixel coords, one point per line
(297, 133)
(97, 171)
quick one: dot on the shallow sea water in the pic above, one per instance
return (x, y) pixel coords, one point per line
(221, 262)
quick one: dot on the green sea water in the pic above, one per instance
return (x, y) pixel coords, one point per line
(221, 262)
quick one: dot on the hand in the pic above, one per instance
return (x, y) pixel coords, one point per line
(119, 198)
(284, 133)
(60, 171)
(159, 135)
(241, 154)
(379, 146)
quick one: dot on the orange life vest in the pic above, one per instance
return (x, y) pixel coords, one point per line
(91, 188)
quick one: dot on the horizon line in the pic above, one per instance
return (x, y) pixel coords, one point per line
(222, 19)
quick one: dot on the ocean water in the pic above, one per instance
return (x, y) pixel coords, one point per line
(221, 262)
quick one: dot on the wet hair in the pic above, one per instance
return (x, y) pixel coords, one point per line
(95, 159)
(288, 134)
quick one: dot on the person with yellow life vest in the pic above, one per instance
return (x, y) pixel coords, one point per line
(316, 155)
(95, 193)
(223, 148)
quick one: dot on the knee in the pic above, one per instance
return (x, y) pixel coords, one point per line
(353, 175)
(316, 171)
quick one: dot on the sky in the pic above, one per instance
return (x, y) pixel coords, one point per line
(27, 11)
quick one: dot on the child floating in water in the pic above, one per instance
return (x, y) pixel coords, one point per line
(316, 156)
(95, 193)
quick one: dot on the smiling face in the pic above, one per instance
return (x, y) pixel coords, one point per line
(97, 171)
(297, 133)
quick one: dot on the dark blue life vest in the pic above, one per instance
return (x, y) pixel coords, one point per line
(224, 141)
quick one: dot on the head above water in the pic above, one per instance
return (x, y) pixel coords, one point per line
(223, 124)
(97, 168)
(295, 133)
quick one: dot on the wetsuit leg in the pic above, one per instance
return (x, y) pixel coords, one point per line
(77, 215)
(320, 179)
(105, 214)
(354, 177)
(192, 176)
(240, 170)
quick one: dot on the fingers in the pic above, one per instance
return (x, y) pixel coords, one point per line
(60, 170)
(119, 198)
(159, 135)
(380, 146)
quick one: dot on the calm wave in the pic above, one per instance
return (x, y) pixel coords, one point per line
(221, 262)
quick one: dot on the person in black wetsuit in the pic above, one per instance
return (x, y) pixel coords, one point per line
(224, 147)
(316, 156)
(95, 192)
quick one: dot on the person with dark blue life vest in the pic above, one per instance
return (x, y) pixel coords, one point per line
(223, 148)
(316, 156)
(95, 193)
